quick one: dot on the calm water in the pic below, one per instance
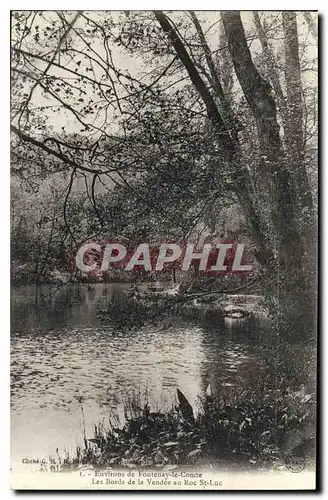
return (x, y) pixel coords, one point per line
(63, 357)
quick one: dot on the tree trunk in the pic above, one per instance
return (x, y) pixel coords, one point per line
(258, 94)
(224, 63)
(225, 107)
(271, 67)
(291, 287)
(311, 24)
(290, 283)
(294, 126)
(241, 178)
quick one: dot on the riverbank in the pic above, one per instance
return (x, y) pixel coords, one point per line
(252, 430)
(141, 305)
(62, 352)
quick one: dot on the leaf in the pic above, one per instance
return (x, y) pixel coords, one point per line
(194, 453)
(94, 440)
(185, 407)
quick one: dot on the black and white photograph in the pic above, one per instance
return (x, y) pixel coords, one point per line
(164, 250)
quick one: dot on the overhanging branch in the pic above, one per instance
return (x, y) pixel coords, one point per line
(212, 110)
(52, 152)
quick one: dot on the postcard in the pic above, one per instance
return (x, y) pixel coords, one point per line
(164, 238)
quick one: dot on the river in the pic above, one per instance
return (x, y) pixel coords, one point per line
(64, 358)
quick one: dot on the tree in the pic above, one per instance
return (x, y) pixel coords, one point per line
(243, 138)
(294, 124)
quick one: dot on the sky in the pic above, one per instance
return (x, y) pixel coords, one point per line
(134, 65)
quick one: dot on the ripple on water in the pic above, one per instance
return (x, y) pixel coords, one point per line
(60, 362)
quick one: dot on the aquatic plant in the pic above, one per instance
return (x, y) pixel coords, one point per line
(248, 429)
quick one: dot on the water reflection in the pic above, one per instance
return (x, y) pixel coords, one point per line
(64, 356)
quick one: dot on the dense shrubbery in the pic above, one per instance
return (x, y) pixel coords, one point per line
(251, 428)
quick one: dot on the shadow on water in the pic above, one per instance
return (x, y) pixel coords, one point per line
(36, 309)
(63, 353)
(232, 363)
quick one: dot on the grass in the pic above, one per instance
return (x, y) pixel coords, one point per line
(259, 427)
(249, 429)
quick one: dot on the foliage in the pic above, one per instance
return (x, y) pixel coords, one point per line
(198, 120)
(251, 428)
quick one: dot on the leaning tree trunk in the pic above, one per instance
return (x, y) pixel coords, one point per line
(283, 192)
(294, 133)
(295, 144)
(271, 67)
(224, 105)
(242, 183)
(261, 102)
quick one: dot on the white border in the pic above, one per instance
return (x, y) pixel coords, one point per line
(170, 5)
(298, 5)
